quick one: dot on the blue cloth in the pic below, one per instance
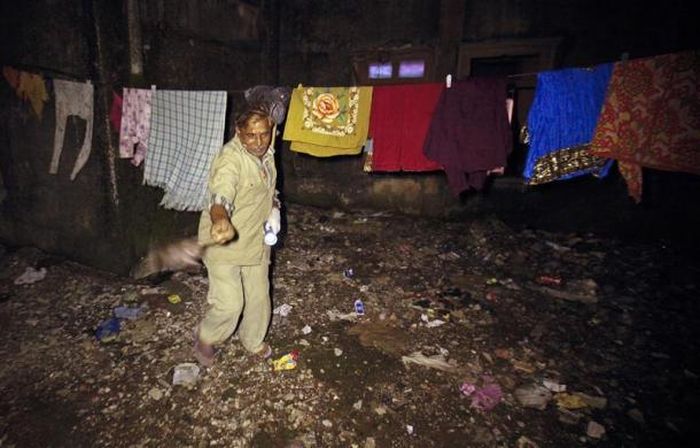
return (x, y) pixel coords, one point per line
(563, 115)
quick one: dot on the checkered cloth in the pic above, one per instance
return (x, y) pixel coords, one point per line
(187, 131)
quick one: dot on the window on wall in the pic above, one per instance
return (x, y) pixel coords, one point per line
(394, 67)
(412, 69)
(379, 70)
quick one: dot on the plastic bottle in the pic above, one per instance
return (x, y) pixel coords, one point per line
(270, 237)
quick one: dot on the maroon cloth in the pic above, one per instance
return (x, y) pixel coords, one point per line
(399, 122)
(469, 134)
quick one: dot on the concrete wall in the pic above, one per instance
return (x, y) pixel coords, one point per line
(106, 218)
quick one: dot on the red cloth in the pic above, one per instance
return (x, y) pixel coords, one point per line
(469, 134)
(651, 117)
(399, 122)
(115, 115)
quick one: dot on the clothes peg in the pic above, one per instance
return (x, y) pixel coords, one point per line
(448, 81)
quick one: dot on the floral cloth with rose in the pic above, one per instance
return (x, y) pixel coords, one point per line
(328, 121)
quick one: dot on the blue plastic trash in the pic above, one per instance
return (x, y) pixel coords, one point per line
(107, 329)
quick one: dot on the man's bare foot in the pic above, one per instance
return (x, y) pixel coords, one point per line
(264, 353)
(203, 352)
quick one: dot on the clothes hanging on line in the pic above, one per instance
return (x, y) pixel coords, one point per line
(115, 112)
(11, 75)
(28, 87)
(72, 98)
(399, 121)
(561, 123)
(328, 121)
(651, 117)
(368, 149)
(469, 134)
(135, 124)
(187, 131)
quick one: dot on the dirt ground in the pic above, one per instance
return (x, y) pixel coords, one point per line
(474, 334)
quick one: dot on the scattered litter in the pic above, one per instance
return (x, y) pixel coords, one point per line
(434, 362)
(108, 330)
(533, 396)
(349, 273)
(155, 393)
(335, 315)
(357, 405)
(569, 417)
(522, 366)
(306, 329)
(554, 386)
(593, 402)
(584, 291)
(449, 256)
(503, 353)
(595, 430)
(579, 400)
(32, 322)
(337, 351)
(174, 299)
(636, 415)
(435, 323)
(125, 312)
(282, 310)
(327, 423)
(380, 410)
(186, 374)
(487, 397)
(569, 401)
(548, 280)
(359, 307)
(467, 388)
(524, 442)
(409, 429)
(304, 342)
(30, 276)
(557, 247)
(286, 362)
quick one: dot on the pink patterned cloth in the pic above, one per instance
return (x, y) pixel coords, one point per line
(135, 125)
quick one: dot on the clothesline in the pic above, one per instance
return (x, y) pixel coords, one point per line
(60, 74)
(51, 72)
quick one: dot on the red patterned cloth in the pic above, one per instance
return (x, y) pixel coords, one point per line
(651, 117)
(399, 122)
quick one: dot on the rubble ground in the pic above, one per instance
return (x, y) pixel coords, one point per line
(474, 334)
